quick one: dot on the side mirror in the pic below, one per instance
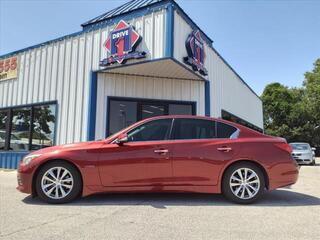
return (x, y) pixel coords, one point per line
(313, 149)
(122, 138)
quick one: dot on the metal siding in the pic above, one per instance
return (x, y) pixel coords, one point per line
(60, 70)
(227, 90)
(144, 87)
(181, 32)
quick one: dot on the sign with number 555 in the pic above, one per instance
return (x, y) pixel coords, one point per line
(8, 68)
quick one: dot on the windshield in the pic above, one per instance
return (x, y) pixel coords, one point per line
(300, 146)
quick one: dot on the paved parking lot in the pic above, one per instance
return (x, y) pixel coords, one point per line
(288, 213)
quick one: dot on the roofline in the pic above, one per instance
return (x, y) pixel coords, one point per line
(42, 44)
(153, 5)
(99, 25)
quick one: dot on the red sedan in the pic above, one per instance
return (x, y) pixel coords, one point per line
(163, 154)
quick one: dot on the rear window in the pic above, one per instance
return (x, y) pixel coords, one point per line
(225, 130)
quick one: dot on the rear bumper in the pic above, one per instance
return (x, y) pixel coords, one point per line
(283, 175)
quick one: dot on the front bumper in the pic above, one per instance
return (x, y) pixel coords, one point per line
(24, 182)
(303, 160)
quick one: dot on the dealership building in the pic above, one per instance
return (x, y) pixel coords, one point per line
(145, 58)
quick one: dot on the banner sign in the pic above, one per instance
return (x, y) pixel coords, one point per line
(196, 54)
(8, 68)
(121, 45)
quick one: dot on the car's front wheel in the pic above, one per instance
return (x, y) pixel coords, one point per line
(243, 183)
(58, 182)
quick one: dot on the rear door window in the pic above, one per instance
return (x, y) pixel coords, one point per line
(185, 128)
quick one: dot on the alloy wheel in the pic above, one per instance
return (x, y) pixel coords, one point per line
(244, 183)
(57, 183)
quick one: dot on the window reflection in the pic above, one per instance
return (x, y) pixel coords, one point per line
(122, 114)
(43, 126)
(30, 128)
(151, 110)
(19, 139)
(3, 123)
(180, 109)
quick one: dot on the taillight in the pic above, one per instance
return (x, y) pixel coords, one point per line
(284, 146)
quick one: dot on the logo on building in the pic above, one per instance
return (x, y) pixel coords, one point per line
(121, 45)
(196, 54)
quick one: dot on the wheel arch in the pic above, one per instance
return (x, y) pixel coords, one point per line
(35, 174)
(261, 167)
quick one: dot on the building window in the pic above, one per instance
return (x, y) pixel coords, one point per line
(125, 111)
(27, 128)
(43, 126)
(3, 128)
(20, 129)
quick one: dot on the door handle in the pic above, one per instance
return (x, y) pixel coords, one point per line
(224, 149)
(161, 151)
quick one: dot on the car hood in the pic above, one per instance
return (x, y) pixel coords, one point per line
(69, 147)
(301, 151)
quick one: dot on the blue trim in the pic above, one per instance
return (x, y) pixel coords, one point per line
(169, 31)
(41, 44)
(30, 105)
(207, 98)
(92, 108)
(11, 160)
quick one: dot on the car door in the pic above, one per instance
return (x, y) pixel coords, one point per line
(142, 161)
(198, 152)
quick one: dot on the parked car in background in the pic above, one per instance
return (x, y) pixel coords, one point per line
(163, 154)
(303, 153)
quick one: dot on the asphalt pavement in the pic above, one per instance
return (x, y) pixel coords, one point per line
(287, 213)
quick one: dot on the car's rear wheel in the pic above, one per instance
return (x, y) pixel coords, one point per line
(58, 182)
(243, 183)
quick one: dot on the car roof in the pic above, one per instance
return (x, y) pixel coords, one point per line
(242, 128)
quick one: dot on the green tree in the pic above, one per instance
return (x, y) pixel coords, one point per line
(312, 101)
(294, 113)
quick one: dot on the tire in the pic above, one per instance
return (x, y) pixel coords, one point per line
(313, 162)
(233, 186)
(50, 190)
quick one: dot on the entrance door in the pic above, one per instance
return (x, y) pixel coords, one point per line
(123, 112)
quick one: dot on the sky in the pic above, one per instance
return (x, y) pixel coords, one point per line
(264, 41)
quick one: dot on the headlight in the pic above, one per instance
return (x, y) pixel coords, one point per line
(27, 159)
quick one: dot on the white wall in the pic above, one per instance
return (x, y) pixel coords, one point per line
(60, 71)
(144, 87)
(227, 90)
